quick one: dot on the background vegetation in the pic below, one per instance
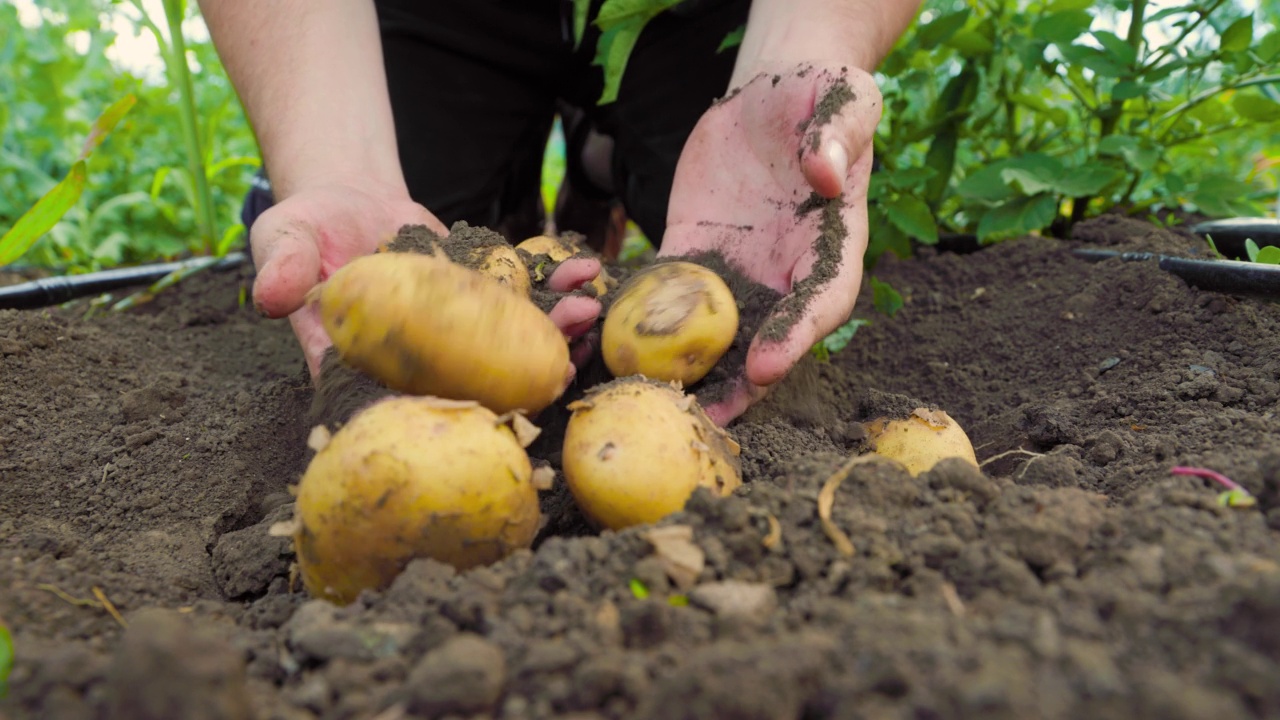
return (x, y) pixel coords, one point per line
(1002, 118)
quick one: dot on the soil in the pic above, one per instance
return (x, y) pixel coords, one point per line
(144, 456)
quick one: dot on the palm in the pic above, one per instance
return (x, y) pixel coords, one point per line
(743, 183)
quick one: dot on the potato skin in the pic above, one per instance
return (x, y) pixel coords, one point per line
(558, 250)
(920, 440)
(635, 450)
(503, 264)
(411, 477)
(672, 321)
(424, 325)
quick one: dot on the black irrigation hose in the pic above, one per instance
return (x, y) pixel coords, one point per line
(55, 290)
(1229, 235)
(1234, 277)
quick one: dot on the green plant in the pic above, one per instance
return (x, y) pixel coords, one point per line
(1269, 255)
(54, 204)
(6, 658)
(140, 201)
(1004, 119)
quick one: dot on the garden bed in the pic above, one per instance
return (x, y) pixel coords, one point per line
(144, 456)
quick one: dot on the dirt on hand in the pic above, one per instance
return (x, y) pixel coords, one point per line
(145, 457)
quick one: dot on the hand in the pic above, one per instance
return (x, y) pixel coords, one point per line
(303, 239)
(751, 161)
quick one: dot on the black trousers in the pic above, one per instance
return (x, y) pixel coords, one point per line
(475, 86)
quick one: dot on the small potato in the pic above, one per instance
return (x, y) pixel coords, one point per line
(555, 249)
(672, 321)
(424, 325)
(636, 449)
(920, 440)
(501, 263)
(558, 250)
(411, 477)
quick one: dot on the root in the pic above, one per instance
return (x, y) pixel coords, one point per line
(102, 601)
(775, 533)
(827, 499)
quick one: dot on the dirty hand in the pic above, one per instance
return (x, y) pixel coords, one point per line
(307, 236)
(775, 178)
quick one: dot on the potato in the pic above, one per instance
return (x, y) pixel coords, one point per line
(920, 440)
(554, 248)
(672, 321)
(501, 263)
(424, 325)
(636, 449)
(560, 249)
(412, 477)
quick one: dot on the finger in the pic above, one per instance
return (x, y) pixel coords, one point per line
(818, 310)
(575, 315)
(288, 262)
(842, 128)
(311, 336)
(733, 405)
(573, 274)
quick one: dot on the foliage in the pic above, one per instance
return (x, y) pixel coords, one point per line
(1269, 255)
(140, 200)
(6, 658)
(1004, 119)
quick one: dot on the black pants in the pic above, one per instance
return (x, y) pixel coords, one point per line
(475, 86)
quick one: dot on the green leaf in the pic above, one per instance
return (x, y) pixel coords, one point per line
(1119, 50)
(970, 43)
(581, 8)
(839, 338)
(1269, 255)
(638, 589)
(912, 216)
(1139, 153)
(1223, 196)
(1088, 180)
(911, 178)
(1091, 58)
(42, 216)
(1027, 181)
(733, 39)
(620, 23)
(1255, 106)
(1268, 48)
(1238, 35)
(1017, 217)
(1128, 89)
(105, 123)
(1170, 11)
(1251, 249)
(885, 298)
(1063, 27)
(1060, 5)
(941, 29)
(986, 184)
(6, 659)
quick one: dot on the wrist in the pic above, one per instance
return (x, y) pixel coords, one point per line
(782, 34)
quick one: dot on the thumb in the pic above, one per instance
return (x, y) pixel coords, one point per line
(821, 299)
(288, 262)
(841, 129)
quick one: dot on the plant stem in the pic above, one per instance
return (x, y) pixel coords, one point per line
(1211, 92)
(1164, 51)
(181, 77)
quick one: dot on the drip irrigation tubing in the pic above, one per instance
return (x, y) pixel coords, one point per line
(1234, 277)
(63, 288)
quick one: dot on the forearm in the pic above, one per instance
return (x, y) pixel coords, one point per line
(310, 75)
(781, 33)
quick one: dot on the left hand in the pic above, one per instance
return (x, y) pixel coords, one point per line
(749, 163)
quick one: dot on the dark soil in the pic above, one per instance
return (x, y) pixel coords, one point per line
(143, 458)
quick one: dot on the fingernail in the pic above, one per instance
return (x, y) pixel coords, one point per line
(839, 159)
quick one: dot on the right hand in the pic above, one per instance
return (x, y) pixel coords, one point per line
(303, 239)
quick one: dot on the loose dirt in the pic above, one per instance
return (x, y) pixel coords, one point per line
(144, 456)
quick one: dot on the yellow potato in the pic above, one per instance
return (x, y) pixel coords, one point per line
(921, 439)
(635, 450)
(424, 325)
(554, 248)
(411, 477)
(501, 263)
(672, 321)
(560, 249)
